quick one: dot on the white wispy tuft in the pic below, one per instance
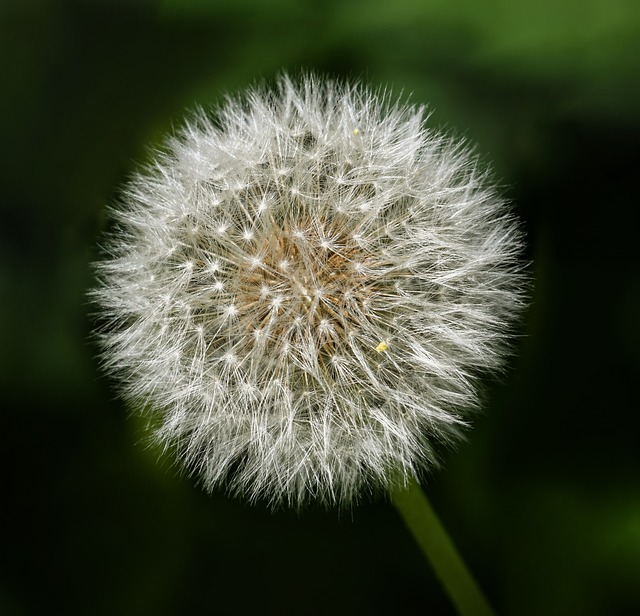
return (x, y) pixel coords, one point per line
(304, 289)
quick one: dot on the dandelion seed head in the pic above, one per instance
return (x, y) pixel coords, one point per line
(305, 288)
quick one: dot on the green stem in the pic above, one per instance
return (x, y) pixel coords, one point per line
(432, 538)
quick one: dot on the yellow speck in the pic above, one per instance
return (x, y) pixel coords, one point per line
(356, 131)
(383, 346)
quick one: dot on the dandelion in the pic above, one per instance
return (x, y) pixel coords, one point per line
(304, 289)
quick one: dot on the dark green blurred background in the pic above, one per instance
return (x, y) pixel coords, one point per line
(544, 499)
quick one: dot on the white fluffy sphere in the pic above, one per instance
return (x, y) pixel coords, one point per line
(304, 289)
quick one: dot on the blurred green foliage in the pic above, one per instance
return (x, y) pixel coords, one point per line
(543, 500)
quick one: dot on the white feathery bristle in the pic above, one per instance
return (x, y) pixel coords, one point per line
(304, 288)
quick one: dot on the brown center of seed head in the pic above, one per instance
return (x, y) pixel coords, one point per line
(299, 286)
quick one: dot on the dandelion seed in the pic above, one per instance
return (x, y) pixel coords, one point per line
(263, 351)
